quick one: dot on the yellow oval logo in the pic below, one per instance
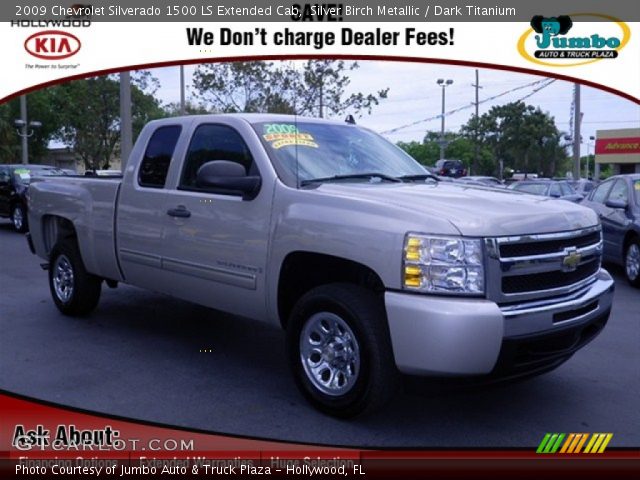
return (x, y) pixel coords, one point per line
(626, 35)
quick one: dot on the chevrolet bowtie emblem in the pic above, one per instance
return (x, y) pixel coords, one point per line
(571, 261)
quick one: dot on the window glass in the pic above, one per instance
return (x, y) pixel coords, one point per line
(157, 157)
(600, 193)
(554, 191)
(566, 189)
(619, 192)
(535, 188)
(215, 142)
(307, 151)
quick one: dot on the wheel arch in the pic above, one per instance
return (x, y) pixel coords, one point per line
(302, 270)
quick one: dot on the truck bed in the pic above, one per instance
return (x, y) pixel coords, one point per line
(89, 203)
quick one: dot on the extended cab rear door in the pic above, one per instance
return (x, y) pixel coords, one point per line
(141, 218)
(216, 243)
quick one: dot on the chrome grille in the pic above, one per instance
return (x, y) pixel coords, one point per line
(530, 267)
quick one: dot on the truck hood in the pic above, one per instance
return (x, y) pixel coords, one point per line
(473, 210)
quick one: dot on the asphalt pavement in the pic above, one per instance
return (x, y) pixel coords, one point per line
(143, 355)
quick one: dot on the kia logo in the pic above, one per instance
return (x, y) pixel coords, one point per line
(52, 45)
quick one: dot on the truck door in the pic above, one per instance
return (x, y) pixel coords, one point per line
(140, 216)
(215, 246)
(615, 221)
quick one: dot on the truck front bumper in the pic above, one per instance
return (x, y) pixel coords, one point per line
(438, 335)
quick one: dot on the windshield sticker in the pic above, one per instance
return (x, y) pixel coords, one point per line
(23, 173)
(636, 185)
(279, 140)
(280, 128)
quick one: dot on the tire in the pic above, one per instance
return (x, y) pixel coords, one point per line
(19, 218)
(632, 262)
(74, 290)
(343, 328)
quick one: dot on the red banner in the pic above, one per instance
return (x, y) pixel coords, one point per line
(617, 146)
(38, 439)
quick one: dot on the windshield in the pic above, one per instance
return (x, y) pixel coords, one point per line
(636, 191)
(23, 174)
(535, 188)
(323, 151)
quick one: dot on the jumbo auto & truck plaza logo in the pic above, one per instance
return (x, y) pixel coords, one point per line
(563, 41)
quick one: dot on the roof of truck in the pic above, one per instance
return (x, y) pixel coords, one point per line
(258, 118)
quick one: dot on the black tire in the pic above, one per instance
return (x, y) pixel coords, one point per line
(78, 293)
(375, 380)
(19, 218)
(631, 265)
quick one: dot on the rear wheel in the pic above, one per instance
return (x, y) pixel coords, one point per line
(19, 218)
(340, 351)
(74, 290)
(632, 262)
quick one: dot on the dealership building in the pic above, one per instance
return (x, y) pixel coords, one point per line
(620, 148)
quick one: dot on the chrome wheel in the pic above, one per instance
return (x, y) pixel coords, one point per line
(632, 262)
(330, 353)
(18, 218)
(63, 283)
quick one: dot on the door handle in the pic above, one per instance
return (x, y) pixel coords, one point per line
(180, 211)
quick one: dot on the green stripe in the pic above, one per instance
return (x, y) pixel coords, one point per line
(558, 443)
(543, 443)
(549, 446)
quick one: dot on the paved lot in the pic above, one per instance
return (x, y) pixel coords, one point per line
(139, 356)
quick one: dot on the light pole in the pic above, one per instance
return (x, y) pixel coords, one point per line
(443, 143)
(591, 139)
(25, 129)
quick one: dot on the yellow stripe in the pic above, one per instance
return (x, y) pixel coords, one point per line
(575, 442)
(606, 441)
(567, 443)
(579, 447)
(590, 444)
(596, 445)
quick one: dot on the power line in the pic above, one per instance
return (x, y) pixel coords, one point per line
(539, 84)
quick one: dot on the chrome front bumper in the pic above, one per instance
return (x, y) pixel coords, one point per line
(434, 335)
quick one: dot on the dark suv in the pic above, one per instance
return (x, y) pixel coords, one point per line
(450, 168)
(14, 183)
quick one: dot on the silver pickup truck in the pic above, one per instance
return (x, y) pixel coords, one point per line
(371, 265)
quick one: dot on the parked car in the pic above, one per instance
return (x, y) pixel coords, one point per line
(583, 186)
(481, 180)
(14, 184)
(547, 187)
(450, 168)
(371, 265)
(617, 203)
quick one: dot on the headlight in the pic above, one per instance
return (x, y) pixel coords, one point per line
(443, 265)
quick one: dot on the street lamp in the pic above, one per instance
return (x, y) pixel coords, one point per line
(444, 84)
(25, 131)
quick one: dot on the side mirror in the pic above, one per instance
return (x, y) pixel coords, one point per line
(223, 176)
(617, 204)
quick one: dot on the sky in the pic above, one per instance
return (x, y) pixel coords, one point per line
(414, 95)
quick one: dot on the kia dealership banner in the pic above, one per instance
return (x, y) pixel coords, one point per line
(150, 385)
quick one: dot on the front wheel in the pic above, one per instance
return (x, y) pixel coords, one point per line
(632, 262)
(74, 290)
(339, 349)
(19, 218)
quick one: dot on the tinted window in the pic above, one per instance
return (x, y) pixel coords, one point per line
(600, 193)
(214, 142)
(619, 192)
(157, 157)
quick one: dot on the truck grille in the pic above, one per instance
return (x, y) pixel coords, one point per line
(532, 267)
(548, 280)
